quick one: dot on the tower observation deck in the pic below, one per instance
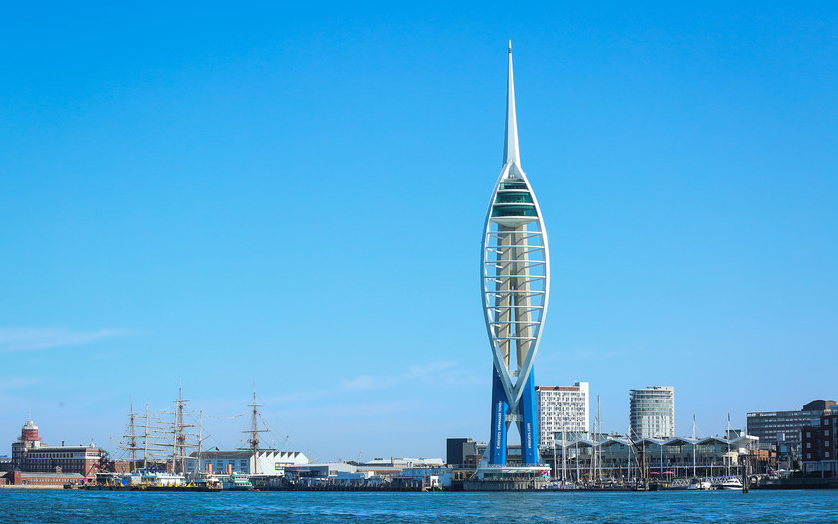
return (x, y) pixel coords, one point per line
(514, 285)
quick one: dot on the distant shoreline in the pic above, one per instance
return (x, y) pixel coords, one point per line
(20, 486)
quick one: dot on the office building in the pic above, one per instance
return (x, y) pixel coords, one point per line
(781, 430)
(775, 427)
(652, 412)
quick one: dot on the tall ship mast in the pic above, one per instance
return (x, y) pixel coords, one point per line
(130, 444)
(160, 443)
(253, 433)
(180, 445)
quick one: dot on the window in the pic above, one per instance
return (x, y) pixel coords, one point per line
(808, 455)
(826, 433)
(808, 445)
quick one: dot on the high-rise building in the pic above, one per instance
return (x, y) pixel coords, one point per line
(652, 412)
(514, 282)
(562, 409)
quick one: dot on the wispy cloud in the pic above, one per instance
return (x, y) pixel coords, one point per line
(13, 383)
(439, 372)
(366, 382)
(377, 409)
(32, 339)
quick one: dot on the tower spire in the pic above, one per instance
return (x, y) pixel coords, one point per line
(510, 143)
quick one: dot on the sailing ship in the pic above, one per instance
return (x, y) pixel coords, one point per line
(164, 448)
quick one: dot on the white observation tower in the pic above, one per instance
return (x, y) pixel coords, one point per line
(514, 286)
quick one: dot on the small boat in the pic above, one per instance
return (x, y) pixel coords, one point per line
(731, 483)
(700, 484)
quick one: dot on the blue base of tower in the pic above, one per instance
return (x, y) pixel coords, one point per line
(527, 423)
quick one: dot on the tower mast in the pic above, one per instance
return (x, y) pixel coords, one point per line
(515, 282)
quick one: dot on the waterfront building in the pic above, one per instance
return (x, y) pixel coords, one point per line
(405, 462)
(20, 478)
(30, 454)
(263, 462)
(29, 439)
(620, 458)
(652, 412)
(461, 452)
(321, 470)
(561, 409)
(515, 284)
(84, 460)
(819, 445)
(433, 478)
(781, 430)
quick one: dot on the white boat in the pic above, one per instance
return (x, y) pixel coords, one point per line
(700, 484)
(158, 478)
(731, 483)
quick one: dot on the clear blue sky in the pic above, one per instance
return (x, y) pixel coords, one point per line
(294, 196)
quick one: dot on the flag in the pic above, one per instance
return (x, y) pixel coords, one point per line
(216, 448)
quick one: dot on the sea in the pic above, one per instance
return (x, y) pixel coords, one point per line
(38, 505)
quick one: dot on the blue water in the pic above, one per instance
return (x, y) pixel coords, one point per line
(30, 506)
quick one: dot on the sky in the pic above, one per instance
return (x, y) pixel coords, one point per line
(292, 196)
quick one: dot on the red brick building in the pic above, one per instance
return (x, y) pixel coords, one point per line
(30, 454)
(819, 446)
(19, 478)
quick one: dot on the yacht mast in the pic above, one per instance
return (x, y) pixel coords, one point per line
(599, 439)
(694, 444)
(564, 453)
(727, 437)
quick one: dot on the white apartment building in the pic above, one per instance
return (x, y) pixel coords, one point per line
(561, 408)
(652, 412)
